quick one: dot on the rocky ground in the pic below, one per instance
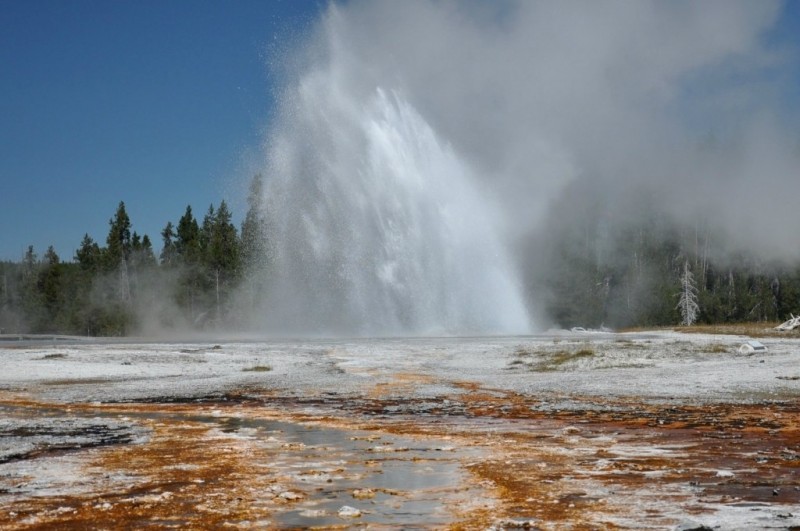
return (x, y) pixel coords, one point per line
(567, 430)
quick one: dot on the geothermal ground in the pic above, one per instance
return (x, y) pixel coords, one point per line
(658, 430)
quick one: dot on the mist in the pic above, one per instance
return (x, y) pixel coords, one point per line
(544, 115)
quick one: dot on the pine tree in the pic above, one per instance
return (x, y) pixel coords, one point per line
(223, 242)
(31, 302)
(206, 229)
(29, 262)
(192, 284)
(118, 242)
(188, 243)
(687, 298)
(88, 255)
(118, 250)
(222, 254)
(146, 255)
(253, 241)
(50, 289)
(169, 252)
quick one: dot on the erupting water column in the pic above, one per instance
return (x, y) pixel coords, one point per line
(377, 227)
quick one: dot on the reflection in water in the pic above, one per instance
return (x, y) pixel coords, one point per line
(389, 479)
(310, 472)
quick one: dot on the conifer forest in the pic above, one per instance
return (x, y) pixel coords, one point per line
(205, 273)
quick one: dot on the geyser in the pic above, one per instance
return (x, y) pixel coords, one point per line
(423, 150)
(376, 225)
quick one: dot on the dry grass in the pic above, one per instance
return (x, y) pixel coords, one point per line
(761, 329)
(544, 360)
(717, 348)
(258, 368)
(628, 344)
(562, 357)
(53, 356)
(755, 330)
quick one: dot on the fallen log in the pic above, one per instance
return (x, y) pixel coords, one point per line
(791, 324)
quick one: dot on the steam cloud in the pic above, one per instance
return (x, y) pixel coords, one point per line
(536, 100)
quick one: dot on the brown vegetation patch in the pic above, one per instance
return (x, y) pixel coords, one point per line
(400, 383)
(756, 330)
(258, 368)
(76, 381)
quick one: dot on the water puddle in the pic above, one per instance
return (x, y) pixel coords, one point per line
(342, 475)
(50, 432)
(297, 475)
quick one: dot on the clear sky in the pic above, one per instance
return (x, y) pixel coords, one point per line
(155, 103)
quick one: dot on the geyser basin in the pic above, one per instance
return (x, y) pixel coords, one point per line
(639, 430)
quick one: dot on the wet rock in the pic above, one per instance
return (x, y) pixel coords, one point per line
(369, 438)
(345, 511)
(290, 495)
(387, 449)
(22, 439)
(513, 523)
(363, 494)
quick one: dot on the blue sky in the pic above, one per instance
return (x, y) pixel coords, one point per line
(155, 103)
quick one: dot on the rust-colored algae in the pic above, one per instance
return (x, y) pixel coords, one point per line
(184, 476)
(718, 453)
(564, 462)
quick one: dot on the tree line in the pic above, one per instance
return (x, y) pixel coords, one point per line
(639, 266)
(595, 267)
(116, 288)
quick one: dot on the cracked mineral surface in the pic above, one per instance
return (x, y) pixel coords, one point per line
(660, 430)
